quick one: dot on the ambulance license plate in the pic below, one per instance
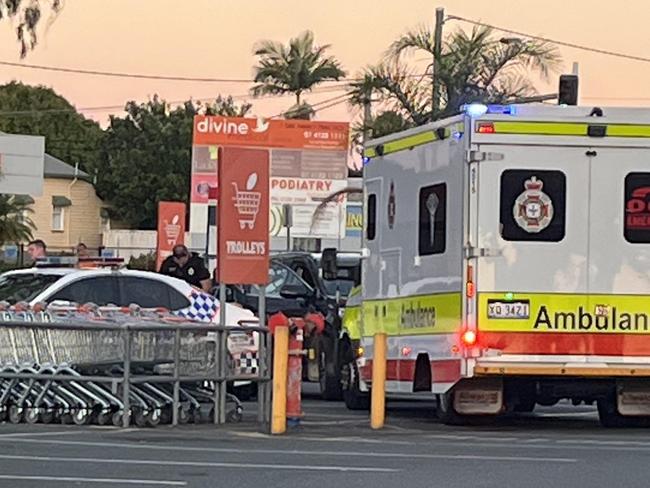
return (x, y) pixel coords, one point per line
(508, 310)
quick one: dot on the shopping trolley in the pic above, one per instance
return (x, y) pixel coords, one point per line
(66, 370)
(248, 205)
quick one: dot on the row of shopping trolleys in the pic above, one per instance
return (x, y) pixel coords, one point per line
(25, 353)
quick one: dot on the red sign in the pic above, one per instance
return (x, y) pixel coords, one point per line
(202, 185)
(171, 229)
(243, 222)
(293, 134)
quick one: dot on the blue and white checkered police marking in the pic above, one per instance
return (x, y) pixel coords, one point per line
(203, 307)
(245, 364)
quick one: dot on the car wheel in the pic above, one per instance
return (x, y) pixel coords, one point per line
(354, 398)
(328, 372)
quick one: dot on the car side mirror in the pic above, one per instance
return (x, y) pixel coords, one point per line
(292, 292)
(230, 295)
(328, 264)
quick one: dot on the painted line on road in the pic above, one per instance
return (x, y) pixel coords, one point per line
(353, 440)
(109, 429)
(299, 452)
(41, 434)
(71, 479)
(603, 442)
(455, 437)
(199, 464)
(328, 422)
(344, 417)
(550, 442)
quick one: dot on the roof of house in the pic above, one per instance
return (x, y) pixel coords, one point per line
(55, 168)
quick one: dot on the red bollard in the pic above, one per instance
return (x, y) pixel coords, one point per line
(294, 376)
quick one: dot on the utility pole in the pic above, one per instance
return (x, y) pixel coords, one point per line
(437, 49)
(367, 115)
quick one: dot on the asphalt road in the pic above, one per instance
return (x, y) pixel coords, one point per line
(558, 447)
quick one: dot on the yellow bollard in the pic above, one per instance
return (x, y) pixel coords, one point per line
(378, 387)
(280, 363)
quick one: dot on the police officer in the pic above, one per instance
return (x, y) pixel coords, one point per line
(187, 267)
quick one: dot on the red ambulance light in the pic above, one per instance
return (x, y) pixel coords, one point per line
(485, 128)
(469, 286)
(470, 289)
(469, 338)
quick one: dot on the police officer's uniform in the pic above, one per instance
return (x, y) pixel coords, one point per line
(194, 271)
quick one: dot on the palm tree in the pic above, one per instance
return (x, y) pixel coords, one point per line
(474, 67)
(396, 88)
(295, 68)
(15, 224)
(479, 66)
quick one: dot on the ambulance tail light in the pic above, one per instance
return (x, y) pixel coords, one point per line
(470, 289)
(357, 349)
(469, 338)
(485, 128)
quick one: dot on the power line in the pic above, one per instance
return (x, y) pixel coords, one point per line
(317, 106)
(172, 102)
(116, 74)
(553, 41)
(145, 76)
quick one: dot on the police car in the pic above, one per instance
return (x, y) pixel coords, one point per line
(104, 282)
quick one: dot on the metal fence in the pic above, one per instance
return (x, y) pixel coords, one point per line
(119, 369)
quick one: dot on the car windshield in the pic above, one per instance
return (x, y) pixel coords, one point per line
(279, 277)
(24, 287)
(347, 277)
(344, 287)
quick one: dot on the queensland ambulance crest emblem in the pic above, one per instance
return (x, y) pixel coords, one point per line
(533, 210)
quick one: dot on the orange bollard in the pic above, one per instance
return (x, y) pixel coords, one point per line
(279, 327)
(294, 377)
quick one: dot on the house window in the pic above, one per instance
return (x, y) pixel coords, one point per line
(105, 220)
(432, 228)
(105, 224)
(59, 203)
(58, 215)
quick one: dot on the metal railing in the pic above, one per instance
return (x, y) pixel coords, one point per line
(124, 369)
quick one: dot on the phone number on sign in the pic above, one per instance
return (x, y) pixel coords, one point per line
(326, 136)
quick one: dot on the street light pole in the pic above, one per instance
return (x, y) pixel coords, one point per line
(437, 50)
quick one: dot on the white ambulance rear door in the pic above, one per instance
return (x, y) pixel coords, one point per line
(619, 243)
(532, 219)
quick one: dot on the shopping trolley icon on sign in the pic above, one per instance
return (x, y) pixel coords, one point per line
(247, 202)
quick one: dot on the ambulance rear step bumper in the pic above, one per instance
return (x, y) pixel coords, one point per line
(492, 368)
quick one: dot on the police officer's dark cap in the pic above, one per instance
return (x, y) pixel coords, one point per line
(180, 251)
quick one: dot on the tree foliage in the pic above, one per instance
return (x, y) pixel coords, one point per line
(146, 156)
(304, 111)
(37, 110)
(295, 68)
(16, 224)
(473, 67)
(29, 14)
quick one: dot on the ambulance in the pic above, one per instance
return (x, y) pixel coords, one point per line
(507, 259)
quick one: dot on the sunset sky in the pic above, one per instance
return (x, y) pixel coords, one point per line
(214, 38)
